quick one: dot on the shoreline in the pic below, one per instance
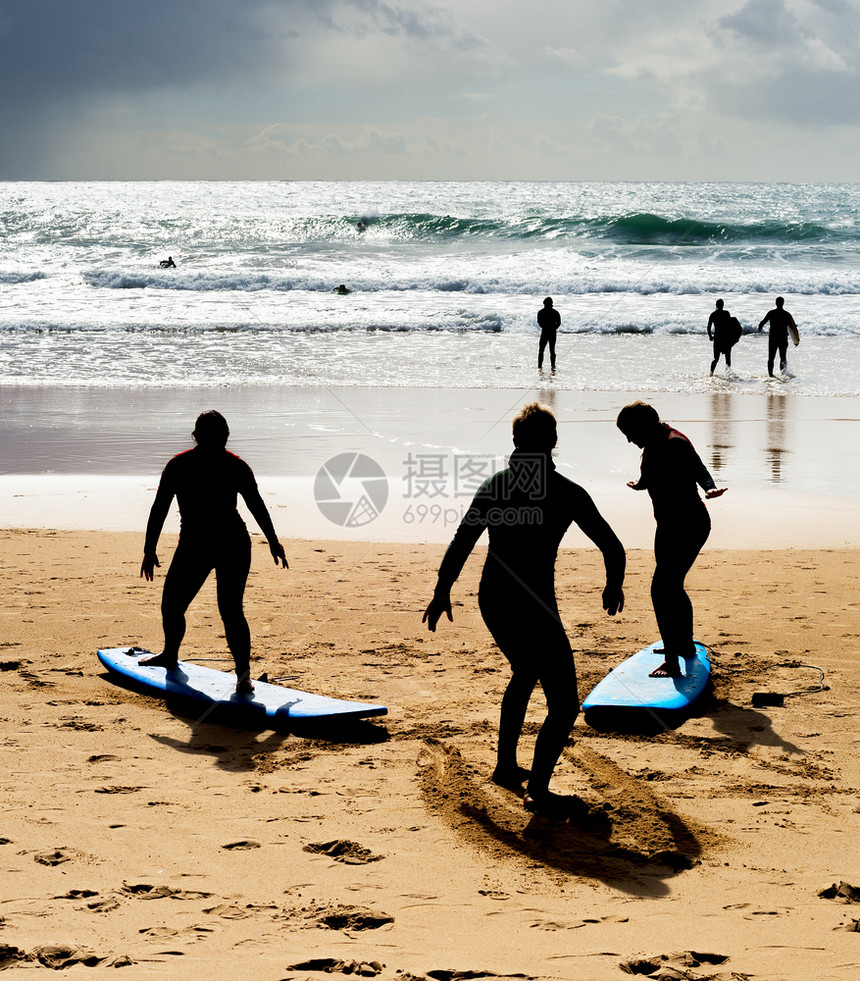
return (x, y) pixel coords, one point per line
(90, 458)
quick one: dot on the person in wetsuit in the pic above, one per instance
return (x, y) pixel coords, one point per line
(549, 320)
(527, 509)
(719, 331)
(205, 481)
(670, 471)
(167, 263)
(779, 319)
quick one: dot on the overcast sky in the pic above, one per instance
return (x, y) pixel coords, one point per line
(430, 89)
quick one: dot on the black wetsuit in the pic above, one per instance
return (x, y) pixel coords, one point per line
(206, 483)
(719, 324)
(780, 320)
(670, 472)
(549, 320)
(527, 509)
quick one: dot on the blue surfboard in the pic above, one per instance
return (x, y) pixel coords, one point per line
(628, 700)
(200, 691)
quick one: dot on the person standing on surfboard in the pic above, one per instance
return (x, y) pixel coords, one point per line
(720, 332)
(205, 481)
(527, 509)
(671, 471)
(781, 322)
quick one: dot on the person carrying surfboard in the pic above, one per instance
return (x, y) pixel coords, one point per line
(671, 471)
(720, 331)
(526, 509)
(781, 324)
(205, 481)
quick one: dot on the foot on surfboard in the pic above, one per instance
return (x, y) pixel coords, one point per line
(159, 661)
(510, 779)
(666, 670)
(244, 686)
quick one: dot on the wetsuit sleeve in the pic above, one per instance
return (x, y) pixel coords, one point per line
(764, 320)
(593, 524)
(160, 506)
(710, 326)
(471, 527)
(256, 505)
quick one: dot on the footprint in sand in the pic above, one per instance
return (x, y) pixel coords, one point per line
(349, 852)
(241, 845)
(60, 956)
(331, 965)
(144, 890)
(676, 963)
(842, 892)
(350, 918)
(55, 857)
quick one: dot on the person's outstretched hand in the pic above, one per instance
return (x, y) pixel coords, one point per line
(613, 600)
(147, 567)
(278, 554)
(715, 492)
(435, 608)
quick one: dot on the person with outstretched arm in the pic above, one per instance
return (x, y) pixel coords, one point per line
(206, 482)
(526, 509)
(671, 471)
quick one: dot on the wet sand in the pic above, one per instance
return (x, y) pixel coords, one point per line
(90, 458)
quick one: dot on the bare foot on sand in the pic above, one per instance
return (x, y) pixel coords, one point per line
(511, 779)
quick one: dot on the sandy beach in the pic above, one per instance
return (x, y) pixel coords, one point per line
(135, 837)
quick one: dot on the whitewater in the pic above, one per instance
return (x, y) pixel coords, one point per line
(445, 280)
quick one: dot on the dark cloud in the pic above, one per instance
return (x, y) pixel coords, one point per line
(56, 50)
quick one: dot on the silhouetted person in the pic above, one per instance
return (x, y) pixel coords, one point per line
(670, 472)
(780, 320)
(526, 509)
(167, 263)
(206, 481)
(720, 332)
(549, 320)
(341, 290)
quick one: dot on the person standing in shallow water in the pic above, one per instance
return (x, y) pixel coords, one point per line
(670, 472)
(719, 331)
(206, 481)
(527, 509)
(549, 320)
(780, 320)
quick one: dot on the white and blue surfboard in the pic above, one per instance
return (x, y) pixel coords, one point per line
(205, 691)
(629, 700)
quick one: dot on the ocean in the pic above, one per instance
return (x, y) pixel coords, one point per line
(445, 281)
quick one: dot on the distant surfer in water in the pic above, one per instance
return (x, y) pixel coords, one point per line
(781, 321)
(206, 481)
(670, 472)
(720, 332)
(549, 320)
(167, 263)
(526, 509)
(341, 290)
